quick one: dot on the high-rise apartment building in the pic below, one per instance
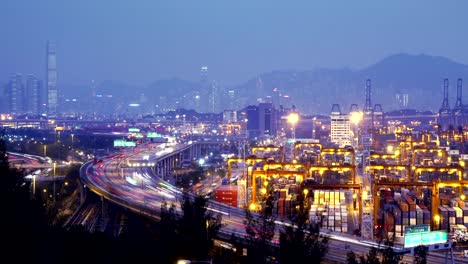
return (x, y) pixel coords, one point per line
(33, 94)
(340, 131)
(15, 93)
(52, 93)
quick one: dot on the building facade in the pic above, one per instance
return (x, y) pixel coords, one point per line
(52, 93)
(15, 94)
(340, 128)
(33, 94)
(261, 121)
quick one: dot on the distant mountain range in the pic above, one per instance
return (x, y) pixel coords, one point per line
(418, 76)
(415, 78)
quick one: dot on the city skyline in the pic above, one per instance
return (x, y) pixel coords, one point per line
(236, 42)
(234, 132)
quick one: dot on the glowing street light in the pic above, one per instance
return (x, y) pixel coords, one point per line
(293, 118)
(356, 117)
(437, 221)
(34, 185)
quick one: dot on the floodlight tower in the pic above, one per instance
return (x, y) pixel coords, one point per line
(293, 118)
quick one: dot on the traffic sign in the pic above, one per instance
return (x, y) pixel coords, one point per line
(417, 229)
(425, 238)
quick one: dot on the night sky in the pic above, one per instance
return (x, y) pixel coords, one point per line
(137, 42)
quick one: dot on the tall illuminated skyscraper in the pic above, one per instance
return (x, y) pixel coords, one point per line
(52, 94)
(33, 94)
(16, 94)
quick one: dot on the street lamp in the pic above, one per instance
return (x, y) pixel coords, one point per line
(356, 118)
(306, 199)
(72, 137)
(293, 118)
(34, 185)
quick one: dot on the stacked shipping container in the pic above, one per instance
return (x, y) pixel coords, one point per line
(329, 210)
(402, 211)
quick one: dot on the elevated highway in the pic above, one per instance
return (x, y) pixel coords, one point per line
(143, 190)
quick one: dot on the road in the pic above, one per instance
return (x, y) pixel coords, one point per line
(139, 190)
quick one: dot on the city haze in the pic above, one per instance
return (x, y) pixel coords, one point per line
(138, 43)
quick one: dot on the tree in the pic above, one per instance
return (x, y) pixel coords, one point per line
(381, 255)
(8, 178)
(260, 229)
(301, 241)
(420, 254)
(23, 219)
(197, 229)
(168, 232)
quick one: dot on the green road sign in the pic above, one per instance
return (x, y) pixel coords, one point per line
(425, 238)
(153, 135)
(417, 229)
(124, 143)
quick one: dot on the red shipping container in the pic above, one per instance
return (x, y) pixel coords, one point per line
(226, 194)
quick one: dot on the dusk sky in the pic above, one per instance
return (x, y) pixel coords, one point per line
(137, 42)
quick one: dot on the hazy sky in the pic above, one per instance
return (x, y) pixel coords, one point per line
(140, 41)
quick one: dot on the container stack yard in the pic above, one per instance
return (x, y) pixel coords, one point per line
(330, 210)
(401, 210)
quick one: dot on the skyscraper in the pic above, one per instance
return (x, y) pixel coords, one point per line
(213, 99)
(52, 94)
(261, 121)
(33, 94)
(340, 129)
(260, 87)
(231, 98)
(202, 95)
(16, 94)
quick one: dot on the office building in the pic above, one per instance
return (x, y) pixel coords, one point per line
(261, 121)
(33, 94)
(340, 130)
(15, 94)
(52, 93)
(213, 99)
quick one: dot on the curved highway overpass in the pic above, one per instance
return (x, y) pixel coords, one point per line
(140, 190)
